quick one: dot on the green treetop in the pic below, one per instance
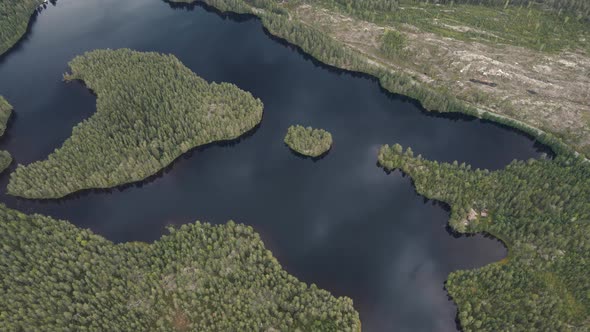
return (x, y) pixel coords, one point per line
(150, 110)
(308, 141)
(56, 277)
(541, 210)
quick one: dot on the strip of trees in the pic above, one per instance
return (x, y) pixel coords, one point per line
(577, 8)
(14, 19)
(541, 210)
(150, 110)
(56, 277)
(5, 112)
(332, 52)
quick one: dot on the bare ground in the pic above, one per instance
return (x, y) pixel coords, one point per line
(548, 91)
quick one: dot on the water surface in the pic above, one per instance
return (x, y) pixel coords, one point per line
(340, 222)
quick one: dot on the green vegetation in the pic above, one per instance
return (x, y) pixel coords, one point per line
(541, 210)
(308, 141)
(332, 52)
(393, 44)
(56, 277)
(5, 112)
(150, 110)
(14, 18)
(521, 23)
(5, 160)
(539, 28)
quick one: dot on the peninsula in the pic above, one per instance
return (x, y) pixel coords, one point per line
(308, 141)
(150, 110)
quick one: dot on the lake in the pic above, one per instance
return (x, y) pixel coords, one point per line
(340, 222)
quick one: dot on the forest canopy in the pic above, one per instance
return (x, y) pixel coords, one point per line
(56, 277)
(541, 210)
(5, 112)
(542, 27)
(14, 19)
(308, 141)
(150, 110)
(580, 8)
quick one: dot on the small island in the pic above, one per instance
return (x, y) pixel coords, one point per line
(150, 110)
(308, 141)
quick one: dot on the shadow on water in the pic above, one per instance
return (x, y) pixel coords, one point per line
(27, 35)
(141, 183)
(302, 156)
(452, 116)
(539, 147)
(453, 233)
(191, 6)
(443, 206)
(11, 120)
(18, 45)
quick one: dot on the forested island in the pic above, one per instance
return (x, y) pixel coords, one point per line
(56, 277)
(308, 141)
(14, 19)
(541, 210)
(150, 110)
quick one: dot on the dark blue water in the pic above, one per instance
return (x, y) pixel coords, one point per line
(340, 222)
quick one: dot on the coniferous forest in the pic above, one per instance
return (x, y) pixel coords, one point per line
(580, 8)
(308, 141)
(14, 19)
(275, 17)
(150, 110)
(541, 210)
(56, 277)
(5, 112)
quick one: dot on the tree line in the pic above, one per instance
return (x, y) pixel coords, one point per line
(326, 49)
(541, 210)
(5, 112)
(529, 24)
(150, 110)
(308, 141)
(14, 19)
(200, 277)
(579, 9)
